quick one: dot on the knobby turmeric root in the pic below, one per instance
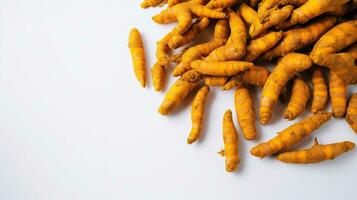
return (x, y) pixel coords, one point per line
(351, 114)
(288, 66)
(299, 38)
(256, 76)
(245, 112)
(138, 56)
(225, 68)
(231, 140)
(184, 12)
(152, 3)
(220, 36)
(197, 113)
(291, 136)
(299, 97)
(338, 94)
(162, 49)
(171, 3)
(179, 90)
(215, 81)
(234, 81)
(320, 94)
(317, 153)
(269, 7)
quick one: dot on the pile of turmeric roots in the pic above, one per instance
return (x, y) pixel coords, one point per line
(317, 37)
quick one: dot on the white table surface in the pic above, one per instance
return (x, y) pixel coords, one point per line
(75, 124)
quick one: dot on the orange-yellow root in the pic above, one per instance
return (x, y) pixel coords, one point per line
(221, 33)
(351, 114)
(338, 94)
(261, 45)
(162, 49)
(171, 3)
(225, 68)
(234, 81)
(179, 90)
(184, 12)
(299, 96)
(299, 38)
(197, 113)
(320, 94)
(217, 4)
(291, 135)
(267, 8)
(215, 81)
(138, 56)
(248, 13)
(256, 76)
(231, 140)
(245, 112)
(288, 66)
(152, 3)
(317, 153)
(158, 76)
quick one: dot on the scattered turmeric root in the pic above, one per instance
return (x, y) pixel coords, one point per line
(179, 90)
(138, 56)
(245, 112)
(158, 76)
(226, 68)
(248, 13)
(288, 66)
(215, 81)
(291, 136)
(231, 140)
(338, 94)
(351, 114)
(219, 4)
(256, 76)
(317, 153)
(320, 94)
(299, 97)
(197, 114)
(184, 12)
(267, 8)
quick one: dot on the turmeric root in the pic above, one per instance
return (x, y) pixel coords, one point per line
(299, 96)
(158, 76)
(317, 153)
(291, 135)
(299, 38)
(220, 36)
(258, 46)
(184, 12)
(234, 81)
(256, 76)
(152, 3)
(171, 3)
(235, 48)
(285, 70)
(320, 94)
(267, 8)
(351, 114)
(226, 68)
(247, 13)
(245, 112)
(179, 90)
(176, 58)
(197, 114)
(162, 49)
(178, 40)
(338, 93)
(231, 140)
(215, 81)
(216, 4)
(138, 56)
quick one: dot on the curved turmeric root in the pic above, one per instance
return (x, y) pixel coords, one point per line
(299, 96)
(231, 140)
(234, 81)
(179, 90)
(245, 112)
(216, 4)
(299, 38)
(320, 94)
(197, 113)
(317, 153)
(220, 36)
(226, 68)
(268, 7)
(158, 76)
(178, 40)
(184, 12)
(285, 70)
(291, 135)
(215, 81)
(137, 52)
(338, 94)
(162, 49)
(152, 3)
(261, 45)
(256, 76)
(351, 114)
(248, 13)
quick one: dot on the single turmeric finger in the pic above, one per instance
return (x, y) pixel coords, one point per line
(197, 114)
(291, 135)
(225, 68)
(215, 81)
(351, 114)
(245, 112)
(179, 90)
(320, 94)
(217, 4)
(158, 76)
(317, 153)
(231, 140)
(338, 94)
(248, 13)
(299, 97)
(256, 76)
(137, 51)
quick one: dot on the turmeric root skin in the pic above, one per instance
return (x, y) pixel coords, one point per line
(226, 68)
(351, 114)
(137, 51)
(320, 93)
(299, 97)
(338, 94)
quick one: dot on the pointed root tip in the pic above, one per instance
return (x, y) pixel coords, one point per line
(190, 140)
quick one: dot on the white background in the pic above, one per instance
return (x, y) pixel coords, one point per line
(75, 124)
